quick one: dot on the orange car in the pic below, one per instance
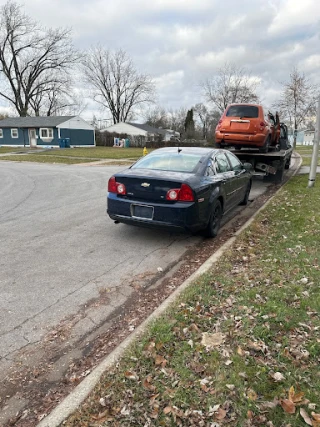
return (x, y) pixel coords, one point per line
(245, 125)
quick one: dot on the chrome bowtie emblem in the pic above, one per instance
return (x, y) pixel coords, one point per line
(145, 184)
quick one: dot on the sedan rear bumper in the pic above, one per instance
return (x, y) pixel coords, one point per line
(176, 216)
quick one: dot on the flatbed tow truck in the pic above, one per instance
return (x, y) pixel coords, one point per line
(271, 165)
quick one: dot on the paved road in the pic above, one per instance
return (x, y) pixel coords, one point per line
(58, 249)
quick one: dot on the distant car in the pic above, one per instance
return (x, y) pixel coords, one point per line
(245, 125)
(179, 188)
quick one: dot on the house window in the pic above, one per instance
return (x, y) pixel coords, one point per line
(14, 133)
(1, 133)
(46, 133)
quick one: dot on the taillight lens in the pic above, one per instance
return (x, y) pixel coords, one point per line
(183, 194)
(262, 124)
(112, 185)
(186, 194)
(219, 124)
(173, 194)
(116, 187)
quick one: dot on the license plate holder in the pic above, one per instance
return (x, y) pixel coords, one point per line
(142, 211)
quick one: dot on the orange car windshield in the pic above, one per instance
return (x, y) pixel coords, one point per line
(249, 111)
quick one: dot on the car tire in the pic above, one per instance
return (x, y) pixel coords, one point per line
(246, 196)
(214, 220)
(266, 145)
(287, 164)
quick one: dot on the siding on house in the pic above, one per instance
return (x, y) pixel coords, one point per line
(76, 129)
(78, 136)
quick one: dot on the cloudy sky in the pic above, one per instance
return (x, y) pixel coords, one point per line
(182, 42)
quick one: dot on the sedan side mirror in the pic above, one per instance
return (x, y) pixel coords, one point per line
(248, 166)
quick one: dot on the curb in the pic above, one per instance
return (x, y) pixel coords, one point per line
(71, 403)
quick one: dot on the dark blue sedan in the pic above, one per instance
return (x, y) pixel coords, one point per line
(179, 188)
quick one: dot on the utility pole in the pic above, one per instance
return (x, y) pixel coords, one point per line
(315, 151)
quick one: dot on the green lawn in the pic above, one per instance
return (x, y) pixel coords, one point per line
(305, 152)
(4, 150)
(76, 155)
(98, 153)
(242, 345)
(43, 159)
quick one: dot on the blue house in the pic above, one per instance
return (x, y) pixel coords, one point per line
(46, 131)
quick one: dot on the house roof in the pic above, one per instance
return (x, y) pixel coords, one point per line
(37, 122)
(148, 128)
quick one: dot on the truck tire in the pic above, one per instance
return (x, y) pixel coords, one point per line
(266, 145)
(278, 177)
(287, 164)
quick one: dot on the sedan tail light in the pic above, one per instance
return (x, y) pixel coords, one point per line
(183, 194)
(116, 187)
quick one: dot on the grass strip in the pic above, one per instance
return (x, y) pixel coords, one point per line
(43, 159)
(99, 152)
(242, 345)
(77, 155)
(4, 150)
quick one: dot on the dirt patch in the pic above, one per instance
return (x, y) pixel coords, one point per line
(42, 385)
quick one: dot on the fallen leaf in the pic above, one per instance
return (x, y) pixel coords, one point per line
(220, 414)
(277, 376)
(130, 375)
(316, 416)
(288, 406)
(268, 405)
(167, 410)
(212, 340)
(295, 397)
(250, 415)
(240, 351)
(146, 383)
(305, 417)
(160, 360)
(251, 394)
(254, 345)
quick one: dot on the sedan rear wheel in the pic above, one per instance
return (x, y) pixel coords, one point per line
(246, 196)
(215, 220)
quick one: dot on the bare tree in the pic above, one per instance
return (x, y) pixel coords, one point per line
(116, 83)
(32, 60)
(298, 101)
(207, 120)
(157, 117)
(176, 119)
(231, 84)
(59, 99)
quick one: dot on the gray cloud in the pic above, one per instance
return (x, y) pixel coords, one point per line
(182, 42)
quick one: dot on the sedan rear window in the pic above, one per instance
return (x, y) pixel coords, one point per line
(175, 162)
(249, 111)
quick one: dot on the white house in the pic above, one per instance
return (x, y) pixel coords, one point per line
(137, 129)
(308, 137)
